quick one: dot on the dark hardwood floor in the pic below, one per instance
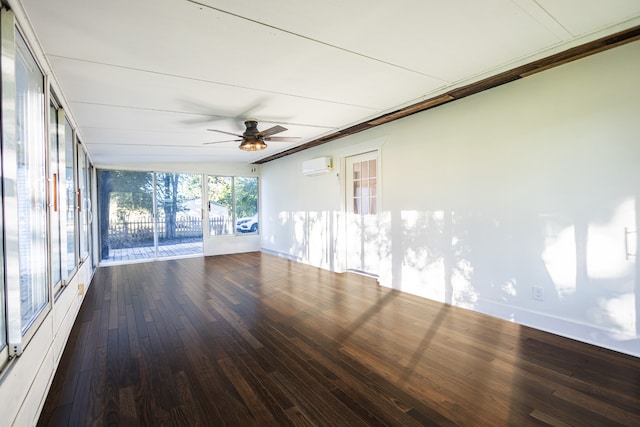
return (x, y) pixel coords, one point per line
(253, 339)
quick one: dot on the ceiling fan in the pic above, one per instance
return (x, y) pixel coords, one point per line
(253, 139)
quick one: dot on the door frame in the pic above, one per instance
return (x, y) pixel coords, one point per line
(375, 154)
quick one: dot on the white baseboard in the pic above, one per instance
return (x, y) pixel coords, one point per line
(570, 329)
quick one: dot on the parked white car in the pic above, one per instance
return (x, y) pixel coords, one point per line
(247, 225)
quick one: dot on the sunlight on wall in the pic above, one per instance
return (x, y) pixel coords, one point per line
(617, 312)
(606, 257)
(423, 268)
(319, 235)
(463, 292)
(430, 266)
(300, 233)
(559, 256)
(313, 235)
(426, 280)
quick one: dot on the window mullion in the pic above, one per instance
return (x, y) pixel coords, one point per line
(233, 203)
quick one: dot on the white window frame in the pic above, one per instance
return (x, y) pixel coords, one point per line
(234, 213)
(16, 339)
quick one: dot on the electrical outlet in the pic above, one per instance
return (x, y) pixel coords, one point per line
(81, 289)
(538, 293)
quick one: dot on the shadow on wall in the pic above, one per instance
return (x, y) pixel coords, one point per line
(576, 267)
(567, 266)
(313, 236)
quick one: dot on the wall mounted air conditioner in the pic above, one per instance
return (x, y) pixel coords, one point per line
(319, 166)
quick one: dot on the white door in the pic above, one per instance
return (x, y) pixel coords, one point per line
(362, 213)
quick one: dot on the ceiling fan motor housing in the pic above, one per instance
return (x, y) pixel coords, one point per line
(252, 128)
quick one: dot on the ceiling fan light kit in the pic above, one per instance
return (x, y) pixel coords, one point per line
(253, 145)
(252, 138)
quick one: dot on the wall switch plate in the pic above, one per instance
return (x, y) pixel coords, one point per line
(81, 289)
(538, 293)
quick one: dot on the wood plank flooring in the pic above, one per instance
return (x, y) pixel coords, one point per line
(252, 339)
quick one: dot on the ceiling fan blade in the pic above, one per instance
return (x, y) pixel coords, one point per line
(221, 142)
(283, 138)
(228, 133)
(272, 131)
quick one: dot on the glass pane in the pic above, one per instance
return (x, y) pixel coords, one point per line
(179, 213)
(365, 169)
(90, 210)
(357, 192)
(356, 171)
(71, 199)
(372, 205)
(84, 199)
(3, 328)
(372, 168)
(54, 174)
(356, 206)
(365, 206)
(372, 187)
(246, 195)
(125, 205)
(220, 204)
(31, 187)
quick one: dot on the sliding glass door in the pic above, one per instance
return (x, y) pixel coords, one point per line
(127, 218)
(145, 215)
(179, 214)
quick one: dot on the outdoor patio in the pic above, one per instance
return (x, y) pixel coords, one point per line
(148, 252)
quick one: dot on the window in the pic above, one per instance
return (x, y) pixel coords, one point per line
(31, 191)
(25, 192)
(71, 199)
(57, 221)
(364, 187)
(220, 205)
(246, 203)
(144, 215)
(35, 229)
(3, 327)
(84, 207)
(233, 205)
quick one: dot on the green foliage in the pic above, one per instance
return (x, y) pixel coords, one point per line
(246, 196)
(220, 191)
(191, 186)
(131, 191)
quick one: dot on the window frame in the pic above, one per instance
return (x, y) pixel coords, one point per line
(83, 208)
(234, 208)
(18, 335)
(71, 200)
(57, 200)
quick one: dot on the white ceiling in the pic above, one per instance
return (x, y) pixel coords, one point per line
(144, 79)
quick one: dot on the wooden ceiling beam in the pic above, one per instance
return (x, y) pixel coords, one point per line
(569, 55)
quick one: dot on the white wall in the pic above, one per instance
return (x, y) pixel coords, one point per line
(530, 184)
